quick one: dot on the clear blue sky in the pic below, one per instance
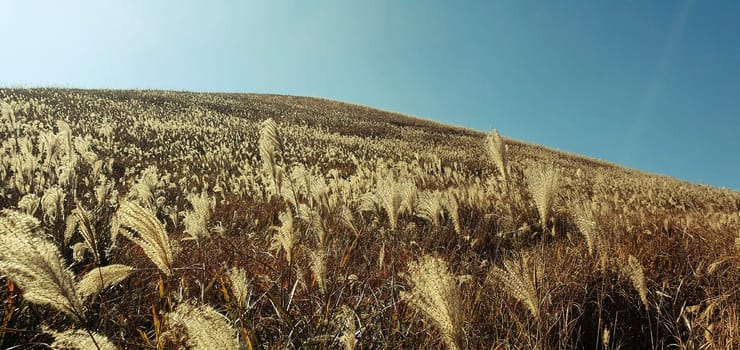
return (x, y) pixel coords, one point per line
(653, 85)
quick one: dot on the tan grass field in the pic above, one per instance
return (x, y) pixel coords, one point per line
(167, 220)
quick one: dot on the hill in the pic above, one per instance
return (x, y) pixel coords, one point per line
(169, 219)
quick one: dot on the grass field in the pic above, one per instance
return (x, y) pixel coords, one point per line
(150, 219)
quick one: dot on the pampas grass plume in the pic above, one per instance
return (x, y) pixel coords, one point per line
(142, 227)
(239, 285)
(203, 327)
(436, 293)
(518, 279)
(80, 340)
(102, 277)
(35, 264)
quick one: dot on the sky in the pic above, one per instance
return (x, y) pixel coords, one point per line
(652, 85)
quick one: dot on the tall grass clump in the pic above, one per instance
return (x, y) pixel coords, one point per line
(80, 221)
(436, 293)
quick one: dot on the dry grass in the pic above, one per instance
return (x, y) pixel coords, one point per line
(35, 264)
(435, 292)
(328, 216)
(80, 340)
(143, 228)
(200, 328)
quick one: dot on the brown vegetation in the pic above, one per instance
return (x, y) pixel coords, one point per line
(261, 221)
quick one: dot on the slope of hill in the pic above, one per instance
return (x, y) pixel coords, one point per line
(169, 219)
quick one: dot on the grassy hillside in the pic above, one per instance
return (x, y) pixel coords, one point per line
(149, 219)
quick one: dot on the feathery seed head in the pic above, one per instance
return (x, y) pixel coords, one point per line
(318, 267)
(635, 272)
(428, 207)
(52, 203)
(79, 339)
(239, 285)
(542, 183)
(519, 278)
(271, 151)
(196, 220)
(436, 293)
(285, 236)
(29, 204)
(497, 151)
(202, 326)
(35, 264)
(102, 277)
(144, 229)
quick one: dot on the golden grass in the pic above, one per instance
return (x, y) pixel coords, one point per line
(101, 277)
(327, 216)
(201, 327)
(80, 340)
(35, 264)
(143, 228)
(435, 292)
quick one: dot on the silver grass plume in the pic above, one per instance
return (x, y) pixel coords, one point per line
(35, 264)
(428, 207)
(202, 326)
(498, 153)
(635, 272)
(318, 267)
(142, 227)
(285, 236)
(542, 183)
(52, 203)
(347, 218)
(196, 220)
(518, 278)
(345, 321)
(102, 277)
(64, 132)
(79, 250)
(49, 144)
(316, 224)
(451, 206)
(395, 198)
(271, 149)
(239, 284)
(143, 190)
(78, 339)
(436, 293)
(29, 204)
(595, 241)
(296, 185)
(80, 221)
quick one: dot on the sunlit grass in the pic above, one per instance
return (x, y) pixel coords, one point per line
(147, 219)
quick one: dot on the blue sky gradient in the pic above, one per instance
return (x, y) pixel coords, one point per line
(653, 85)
